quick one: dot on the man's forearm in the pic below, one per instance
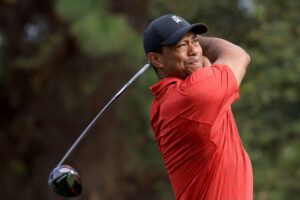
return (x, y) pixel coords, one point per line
(214, 48)
(221, 51)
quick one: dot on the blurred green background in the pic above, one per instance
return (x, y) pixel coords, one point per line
(61, 61)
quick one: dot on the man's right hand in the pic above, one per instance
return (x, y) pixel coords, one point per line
(206, 62)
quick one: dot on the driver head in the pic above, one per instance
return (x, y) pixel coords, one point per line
(65, 181)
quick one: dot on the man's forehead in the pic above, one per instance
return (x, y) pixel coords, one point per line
(188, 35)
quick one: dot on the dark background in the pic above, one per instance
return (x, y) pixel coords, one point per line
(61, 62)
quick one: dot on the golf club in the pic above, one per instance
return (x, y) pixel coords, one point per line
(64, 179)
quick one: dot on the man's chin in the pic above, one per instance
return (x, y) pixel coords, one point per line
(191, 68)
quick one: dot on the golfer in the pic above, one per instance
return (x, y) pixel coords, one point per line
(191, 113)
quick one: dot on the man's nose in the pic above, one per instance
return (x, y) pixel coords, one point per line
(195, 49)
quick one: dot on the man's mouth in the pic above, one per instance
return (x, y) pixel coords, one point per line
(193, 61)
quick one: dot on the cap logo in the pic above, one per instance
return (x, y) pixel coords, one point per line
(176, 19)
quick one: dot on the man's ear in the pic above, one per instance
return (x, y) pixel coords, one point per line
(155, 59)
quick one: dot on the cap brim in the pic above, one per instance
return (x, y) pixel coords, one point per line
(198, 28)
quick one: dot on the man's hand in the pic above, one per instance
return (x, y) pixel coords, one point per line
(206, 62)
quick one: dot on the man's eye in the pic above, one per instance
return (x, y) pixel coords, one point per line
(196, 40)
(181, 45)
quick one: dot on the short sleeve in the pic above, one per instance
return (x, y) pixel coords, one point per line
(209, 90)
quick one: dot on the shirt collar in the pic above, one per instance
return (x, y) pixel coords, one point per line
(157, 88)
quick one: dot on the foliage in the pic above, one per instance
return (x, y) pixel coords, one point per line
(271, 92)
(61, 60)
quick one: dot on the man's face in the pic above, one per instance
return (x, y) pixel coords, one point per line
(183, 58)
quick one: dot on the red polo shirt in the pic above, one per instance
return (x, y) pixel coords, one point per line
(197, 136)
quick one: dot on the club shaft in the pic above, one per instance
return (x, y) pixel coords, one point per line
(144, 68)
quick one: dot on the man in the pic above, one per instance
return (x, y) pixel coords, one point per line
(191, 113)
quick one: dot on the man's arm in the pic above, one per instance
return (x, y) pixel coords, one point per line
(221, 51)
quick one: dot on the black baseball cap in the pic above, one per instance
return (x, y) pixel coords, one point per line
(168, 29)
